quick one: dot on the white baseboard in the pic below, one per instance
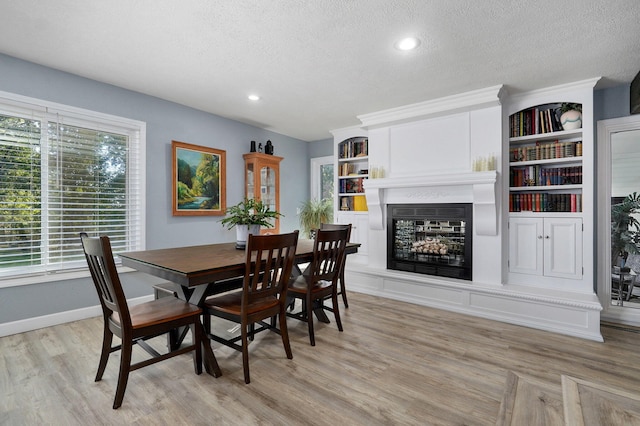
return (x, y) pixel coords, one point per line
(29, 324)
(559, 312)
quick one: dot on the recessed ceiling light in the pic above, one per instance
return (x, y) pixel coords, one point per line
(408, 43)
(254, 97)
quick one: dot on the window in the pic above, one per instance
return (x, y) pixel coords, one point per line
(322, 178)
(63, 171)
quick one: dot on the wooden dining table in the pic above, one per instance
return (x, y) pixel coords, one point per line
(203, 270)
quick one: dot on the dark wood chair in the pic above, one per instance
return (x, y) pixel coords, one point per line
(343, 290)
(137, 323)
(270, 259)
(320, 282)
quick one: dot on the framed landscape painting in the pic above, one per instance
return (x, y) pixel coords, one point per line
(199, 180)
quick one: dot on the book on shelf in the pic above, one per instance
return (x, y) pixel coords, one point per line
(535, 120)
(543, 202)
(359, 203)
(537, 175)
(546, 151)
(351, 186)
(354, 148)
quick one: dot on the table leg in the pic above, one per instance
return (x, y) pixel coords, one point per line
(319, 312)
(210, 363)
(196, 297)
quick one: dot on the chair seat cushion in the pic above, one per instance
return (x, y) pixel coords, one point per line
(232, 303)
(159, 311)
(300, 284)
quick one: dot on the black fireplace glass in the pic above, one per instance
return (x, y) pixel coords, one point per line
(432, 239)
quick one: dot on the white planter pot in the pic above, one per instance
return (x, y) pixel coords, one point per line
(571, 120)
(242, 234)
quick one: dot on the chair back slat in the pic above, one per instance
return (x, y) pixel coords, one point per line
(269, 263)
(328, 253)
(105, 277)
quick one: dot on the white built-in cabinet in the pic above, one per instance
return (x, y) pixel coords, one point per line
(350, 170)
(549, 198)
(359, 228)
(549, 247)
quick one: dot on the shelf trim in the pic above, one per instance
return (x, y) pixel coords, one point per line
(544, 188)
(353, 177)
(549, 136)
(353, 159)
(562, 160)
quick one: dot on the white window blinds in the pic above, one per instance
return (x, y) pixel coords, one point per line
(64, 172)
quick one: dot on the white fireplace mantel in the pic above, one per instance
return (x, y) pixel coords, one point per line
(478, 188)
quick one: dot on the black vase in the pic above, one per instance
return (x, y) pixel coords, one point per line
(253, 146)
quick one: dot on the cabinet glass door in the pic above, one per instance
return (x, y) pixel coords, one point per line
(250, 181)
(268, 188)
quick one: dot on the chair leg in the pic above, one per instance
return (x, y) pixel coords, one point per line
(196, 333)
(336, 311)
(107, 339)
(343, 291)
(123, 376)
(309, 314)
(284, 332)
(252, 328)
(245, 353)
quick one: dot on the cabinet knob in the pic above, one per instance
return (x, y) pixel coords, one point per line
(547, 237)
(539, 237)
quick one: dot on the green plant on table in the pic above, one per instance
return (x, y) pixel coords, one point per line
(250, 212)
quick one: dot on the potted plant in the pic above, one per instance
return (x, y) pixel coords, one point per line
(248, 216)
(571, 115)
(625, 228)
(313, 213)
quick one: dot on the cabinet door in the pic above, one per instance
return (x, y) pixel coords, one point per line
(563, 247)
(525, 245)
(359, 228)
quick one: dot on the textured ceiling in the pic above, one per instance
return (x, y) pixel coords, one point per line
(319, 63)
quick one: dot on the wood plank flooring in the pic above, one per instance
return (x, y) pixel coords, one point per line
(395, 363)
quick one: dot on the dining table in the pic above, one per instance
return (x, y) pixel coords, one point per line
(203, 270)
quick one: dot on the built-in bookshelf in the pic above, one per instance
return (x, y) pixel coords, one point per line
(353, 169)
(545, 162)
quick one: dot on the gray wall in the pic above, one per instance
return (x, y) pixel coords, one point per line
(611, 103)
(321, 148)
(166, 121)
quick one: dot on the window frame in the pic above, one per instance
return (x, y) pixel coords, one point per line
(316, 164)
(23, 106)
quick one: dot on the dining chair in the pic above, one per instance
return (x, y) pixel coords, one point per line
(343, 290)
(320, 282)
(269, 261)
(135, 324)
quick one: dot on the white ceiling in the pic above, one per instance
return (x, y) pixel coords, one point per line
(319, 63)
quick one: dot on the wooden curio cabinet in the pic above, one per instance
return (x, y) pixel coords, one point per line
(262, 182)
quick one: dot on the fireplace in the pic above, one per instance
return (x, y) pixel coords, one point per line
(432, 239)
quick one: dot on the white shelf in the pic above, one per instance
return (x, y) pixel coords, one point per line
(353, 176)
(353, 159)
(563, 160)
(563, 134)
(544, 188)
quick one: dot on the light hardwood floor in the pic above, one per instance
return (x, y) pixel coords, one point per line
(395, 363)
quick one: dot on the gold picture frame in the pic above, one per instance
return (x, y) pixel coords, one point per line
(198, 180)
